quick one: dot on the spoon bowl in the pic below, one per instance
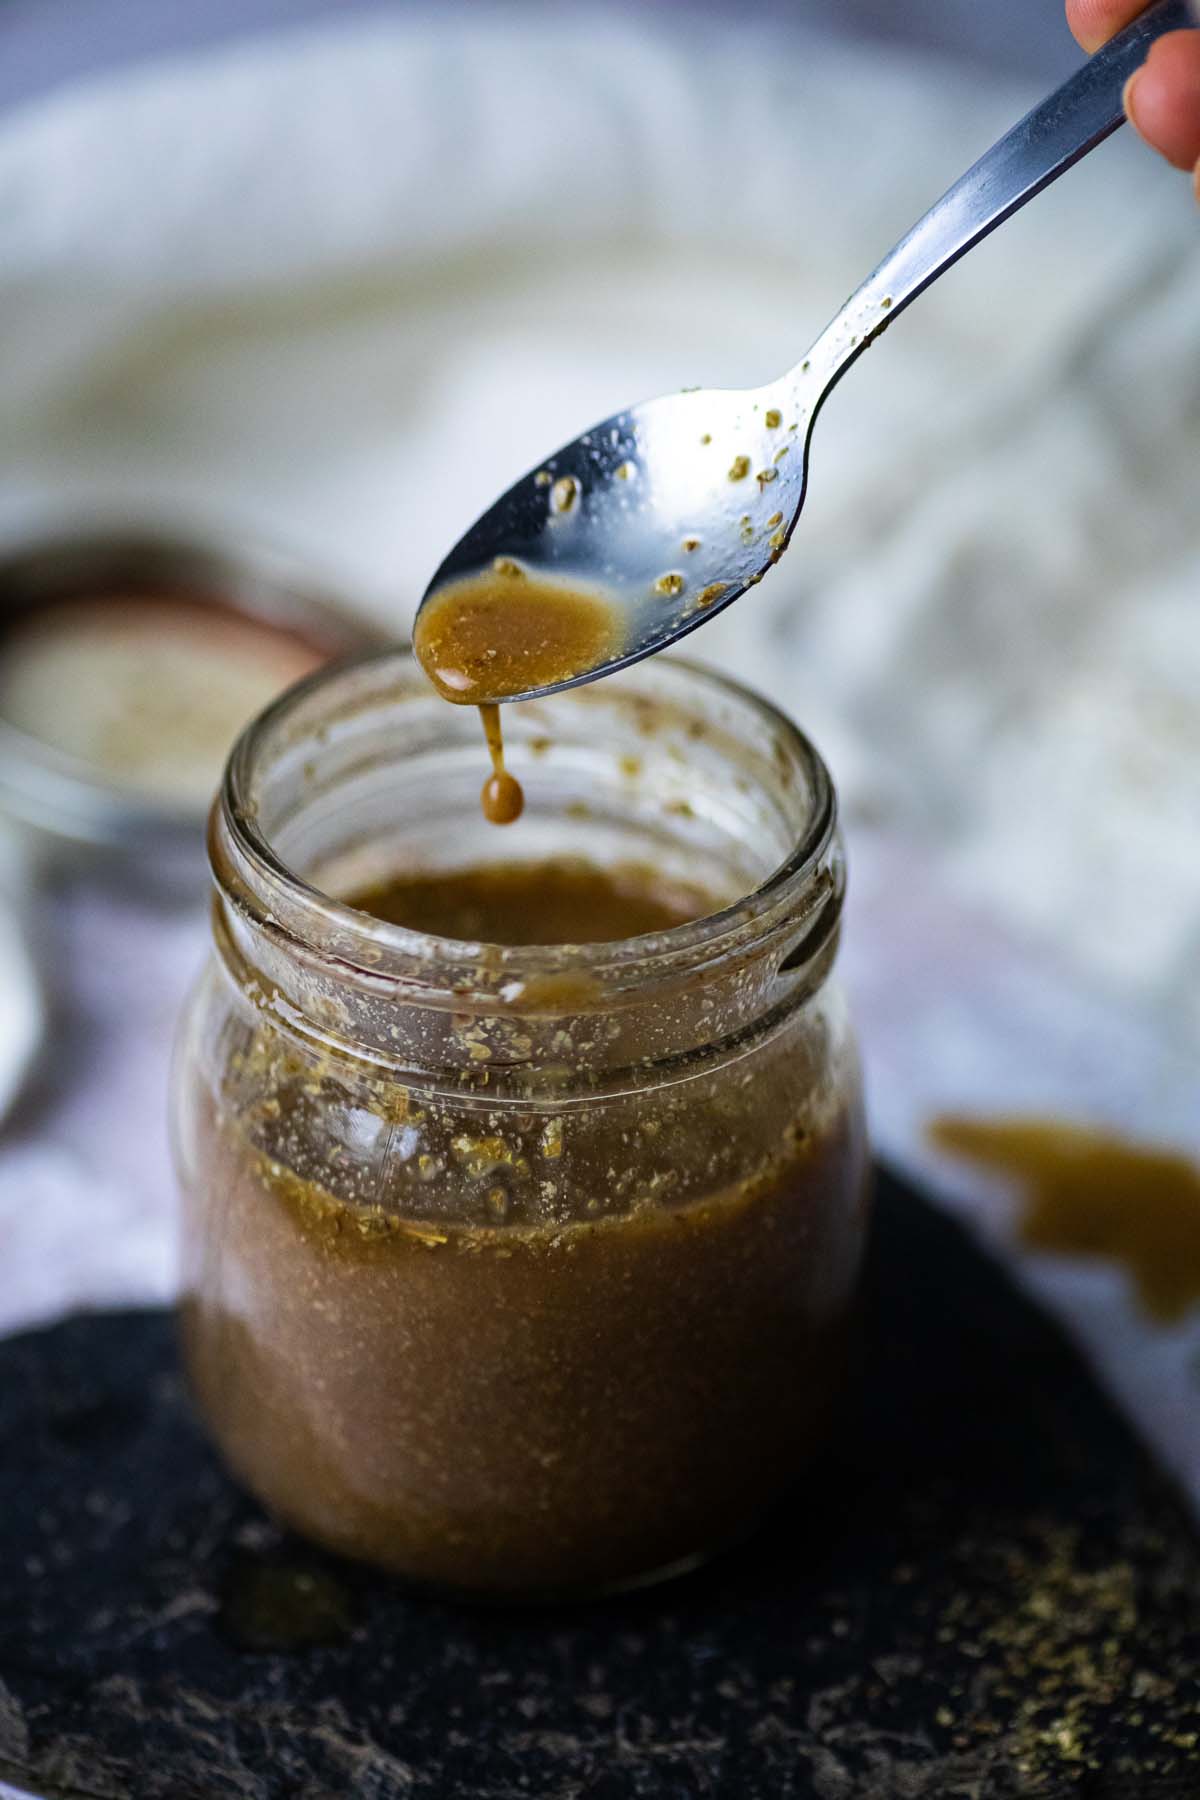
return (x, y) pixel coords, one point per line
(674, 508)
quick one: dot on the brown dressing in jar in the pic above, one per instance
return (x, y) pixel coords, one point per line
(564, 901)
(627, 1335)
(483, 639)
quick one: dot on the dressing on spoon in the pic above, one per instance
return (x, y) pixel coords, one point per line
(500, 633)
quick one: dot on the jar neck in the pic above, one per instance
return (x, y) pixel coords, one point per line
(510, 1021)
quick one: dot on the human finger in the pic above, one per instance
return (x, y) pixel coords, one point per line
(1163, 98)
(1095, 21)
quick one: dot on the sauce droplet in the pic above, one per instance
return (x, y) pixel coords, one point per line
(501, 797)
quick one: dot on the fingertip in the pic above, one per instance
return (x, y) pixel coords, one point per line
(1127, 99)
(1093, 22)
(1162, 98)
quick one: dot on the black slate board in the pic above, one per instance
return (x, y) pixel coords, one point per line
(994, 1593)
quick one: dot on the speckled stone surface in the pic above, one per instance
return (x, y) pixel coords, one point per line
(991, 1594)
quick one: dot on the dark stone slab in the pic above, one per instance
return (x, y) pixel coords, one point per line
(994, 1593)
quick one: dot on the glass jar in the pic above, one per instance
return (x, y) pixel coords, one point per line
(520, 1271)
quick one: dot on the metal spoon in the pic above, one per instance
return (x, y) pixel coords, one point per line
(676, 507)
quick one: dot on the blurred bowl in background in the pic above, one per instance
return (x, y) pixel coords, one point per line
(130, 658)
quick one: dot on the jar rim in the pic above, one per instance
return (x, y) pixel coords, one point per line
(270, 891)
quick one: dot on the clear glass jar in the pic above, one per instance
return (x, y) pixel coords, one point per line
(520, 1271)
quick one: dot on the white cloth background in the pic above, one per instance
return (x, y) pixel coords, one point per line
(336, 289)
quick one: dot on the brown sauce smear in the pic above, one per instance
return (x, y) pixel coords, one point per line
(486, 638)
(564, 901)
(1089, 1193)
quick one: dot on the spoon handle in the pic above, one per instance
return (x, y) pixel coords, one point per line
(1070, 122)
